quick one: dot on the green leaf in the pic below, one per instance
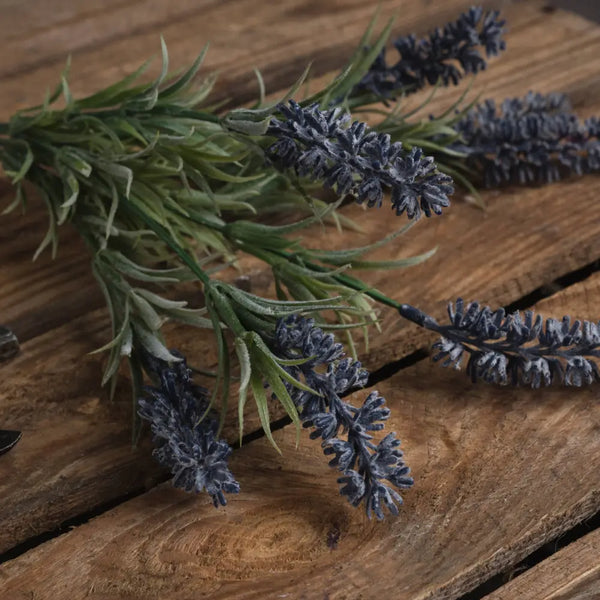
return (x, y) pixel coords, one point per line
(146, 312)
(18, 200)
(169, 92)
(161, 302)
(51, 237)
(116, 93)
(75, 162)
(114, 205)
(276, 362)
(190, 317)
(152, 344)
(25, 165)
(393, 264)
(139, 272)
(70, 190)
(220, 175)
(245, 373)
(270, 373)
(261, 88)
(66, 92)
(119, 172)
(262, 406)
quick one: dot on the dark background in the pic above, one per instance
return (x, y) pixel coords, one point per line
(587, 8)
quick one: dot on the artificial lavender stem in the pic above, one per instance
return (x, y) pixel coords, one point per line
(445, 56)
(353, 160)
(515, 348)
(365, 466)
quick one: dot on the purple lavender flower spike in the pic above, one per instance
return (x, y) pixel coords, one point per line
(534, 139)
(354, 160)
(369, 470)
(516, 348)
(445, 56)
(185, 444)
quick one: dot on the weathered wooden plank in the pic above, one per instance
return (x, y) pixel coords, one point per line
(573, 573)
(499, 471)
(520, 262)
(119, 36)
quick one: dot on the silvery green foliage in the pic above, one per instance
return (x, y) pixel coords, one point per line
(186, 443)
(445, 56)
(512, 349)
(354, 160)
(534, 139)
(367, 468)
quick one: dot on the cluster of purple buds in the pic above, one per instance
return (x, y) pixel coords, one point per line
(370, 471)
(535, 139)
(185, 433)
(513, 349)
(354, 160)
(445, 56)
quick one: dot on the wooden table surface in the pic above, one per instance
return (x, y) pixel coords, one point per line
(504, 477)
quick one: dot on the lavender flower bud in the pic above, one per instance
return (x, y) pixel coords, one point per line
(354, 160)
(516, 348)
(366, 466)
(185, 444)
(437, 58)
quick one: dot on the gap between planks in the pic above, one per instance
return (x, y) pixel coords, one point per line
(572, 573)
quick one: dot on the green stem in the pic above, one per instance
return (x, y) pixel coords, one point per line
(347, 280)
(164, 235)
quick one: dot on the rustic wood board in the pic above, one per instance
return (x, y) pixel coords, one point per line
(280, 38)
(486, 256)
(573, 573)
(65, 293)
(499, 471)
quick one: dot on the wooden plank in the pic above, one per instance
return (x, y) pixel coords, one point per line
(573, 573)
(506, 265)
(499, 472)
(280, 38)
(34, 375)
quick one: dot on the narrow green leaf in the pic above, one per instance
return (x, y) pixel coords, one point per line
(146, 312)
(262, 406)
(245, 373)
(393, 264)
(271, 375)
(115, 93)
(152, 344)
(185, 79)
(25, 165)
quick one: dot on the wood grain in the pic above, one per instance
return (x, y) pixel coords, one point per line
(499, 471)
(525, 239)
(573, 573)
(120, 35)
